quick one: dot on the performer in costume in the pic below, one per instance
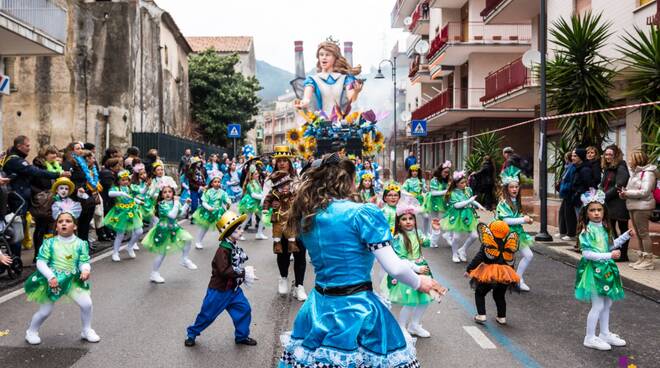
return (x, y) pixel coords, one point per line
(415, 187)
(434, 201)
(185, 188)
(215, 202)
(460, 218)
(62, 189)
(224, 291)
(492, 268)
(159, 177)
(391, 197)
(232, 183)
(509, 210)
(407, 244)
(63, 270)
(124, 218)
(143, 190)
(366, 188)
(250, 204)
(167, 236)
(343, 238)
(597, 277)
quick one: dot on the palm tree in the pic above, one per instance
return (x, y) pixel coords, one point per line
(482, 146)
(642, 57)
(579, 78)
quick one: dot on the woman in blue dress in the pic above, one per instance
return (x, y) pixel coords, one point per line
(343, 323)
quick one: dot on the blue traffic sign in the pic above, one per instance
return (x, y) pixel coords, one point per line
(234, 131)
(418, 128)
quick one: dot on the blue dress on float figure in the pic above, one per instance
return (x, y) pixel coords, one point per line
(355, 330)
(329, 88)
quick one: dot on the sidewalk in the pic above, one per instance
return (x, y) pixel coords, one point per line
(644, 283)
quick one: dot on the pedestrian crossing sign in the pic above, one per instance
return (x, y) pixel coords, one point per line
(418, 128)
(234, 131)
(4, 84)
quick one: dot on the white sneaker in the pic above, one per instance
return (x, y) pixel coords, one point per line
(260, 236)
(522, 286)
(455, 259)
(612, 339)
(480, 318)
(299, 293)
(32, 337)
(596, 343)
(131, 252)
(136, 246)
(283, 286)
(461, 255)
(501, 320)
(199, 245)
(558, 236)
(187, 263)
(156, 277)
(566, 238)
(90, 335)
(418, 330)
(115, 257)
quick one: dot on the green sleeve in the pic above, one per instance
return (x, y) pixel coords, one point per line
(587, 241)
(83, 251)
(434, 185)
(503, 211)
(45, 251)
(399, 246)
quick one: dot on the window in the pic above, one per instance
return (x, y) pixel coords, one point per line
(582, 6)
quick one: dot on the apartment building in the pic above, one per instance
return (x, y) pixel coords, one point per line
(278, 120)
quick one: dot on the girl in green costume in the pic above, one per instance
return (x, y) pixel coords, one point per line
(366, 189)
(391, 196)
(215, 202)
(434, 201)
(167, 236)
(460, 218)
(144, 189)
(414, 186)
(597, 278)
(125, 216)
(509, 210)
(408, 243)
(63, 270)
(250, 204)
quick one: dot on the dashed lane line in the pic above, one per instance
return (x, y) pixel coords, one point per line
(479, 337)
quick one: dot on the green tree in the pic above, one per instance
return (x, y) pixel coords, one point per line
(579, 78)
(482, 146)
(221, 96)
(642, 58)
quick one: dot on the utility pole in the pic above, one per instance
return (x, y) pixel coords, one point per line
(543, 141)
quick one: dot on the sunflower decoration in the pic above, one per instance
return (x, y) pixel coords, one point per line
(367, 139)
(379, 138)
(310, 143)
(353, 117)
(301, 148)
(307, 115)
(294, 136)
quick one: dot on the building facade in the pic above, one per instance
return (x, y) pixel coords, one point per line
(243, 46)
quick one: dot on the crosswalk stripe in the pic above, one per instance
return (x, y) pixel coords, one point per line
(479, 337)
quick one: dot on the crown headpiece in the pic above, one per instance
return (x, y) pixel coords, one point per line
(67, 206)
(330, 39)
(414, 167)
(591, 196)
(408, 205)
(124, 174)
(510, 175)
(367, 176)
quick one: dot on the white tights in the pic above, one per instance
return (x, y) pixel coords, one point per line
(456, 241)
(200, 235)
(84, 301)
(411, 315)
(135, 236)
(600, 312)
(526, 259)
(161, 257)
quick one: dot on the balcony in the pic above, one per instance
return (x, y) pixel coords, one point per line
(437, 104)
(513, 85)
(655, 18)
(457, 40)
(402, 9)
(452, 4)
(32, 27)
(418, 70)
(420, 19)
(510, 11)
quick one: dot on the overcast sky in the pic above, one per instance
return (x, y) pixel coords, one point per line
(275, 24)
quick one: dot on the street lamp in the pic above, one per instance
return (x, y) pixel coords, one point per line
(543, 185)
(380, 75)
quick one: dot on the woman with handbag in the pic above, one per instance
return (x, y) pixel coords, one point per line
(42, 199)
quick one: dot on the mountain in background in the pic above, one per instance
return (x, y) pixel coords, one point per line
(273, 80)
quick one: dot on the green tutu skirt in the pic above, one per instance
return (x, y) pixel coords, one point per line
(525, 239)
(249, 205)
(147, 210)
(599, 277)
(37, 289)
(123, 220)
(434, 203)
(402, 294)
(459, 221)
(166, 238)
(205, 218)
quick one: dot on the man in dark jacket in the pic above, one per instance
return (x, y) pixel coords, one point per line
(583, 178)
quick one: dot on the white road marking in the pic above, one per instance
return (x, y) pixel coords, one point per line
(479, 337)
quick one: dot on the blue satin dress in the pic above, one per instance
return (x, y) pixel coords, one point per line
(346, 331)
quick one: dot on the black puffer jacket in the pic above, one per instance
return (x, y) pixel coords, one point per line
(613, 178)
(22, 174)
(582, 181)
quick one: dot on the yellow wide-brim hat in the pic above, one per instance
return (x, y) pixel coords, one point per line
(228, 223)
(63, 181)
(283, 151)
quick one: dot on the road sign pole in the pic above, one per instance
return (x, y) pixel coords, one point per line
(234, 147)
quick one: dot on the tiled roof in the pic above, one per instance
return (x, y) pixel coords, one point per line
(221, 44)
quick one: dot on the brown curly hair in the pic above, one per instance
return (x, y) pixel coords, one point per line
(317, 188)
(341, 64)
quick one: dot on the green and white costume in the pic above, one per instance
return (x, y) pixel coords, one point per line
(167, 236)
(462, 219)
(125, 216)
(514, 219)
(597, 273)
(414, 187)
(214, 204)
(434, 200)
(398, 292)
(390, 215)
(146, 194)
(251, 204)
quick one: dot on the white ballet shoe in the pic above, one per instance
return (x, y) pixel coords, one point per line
(283, 286)
(461, 255)
(416, 329)
(131, 252)
(90, 335)
(596, 343)
(260, 236)
(522, 286)
(32, 337)
(612, 339)
(299, 293)
(187, 263)
(455, 259)
(115, 257)
(156, 277)
(199, 245)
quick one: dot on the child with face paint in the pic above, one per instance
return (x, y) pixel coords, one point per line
(125, 217)
(62, 189)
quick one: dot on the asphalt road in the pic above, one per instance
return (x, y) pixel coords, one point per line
(143, 325)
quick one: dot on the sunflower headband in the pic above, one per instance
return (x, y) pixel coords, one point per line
(414, 167)
(367, 176)
(392, 188)
(124, 174)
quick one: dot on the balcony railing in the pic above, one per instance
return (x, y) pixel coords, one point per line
(479, 33)
(508, 78)
(419, 14)
(43, 15)
(490, 6)
(438, 103)
(395, 10)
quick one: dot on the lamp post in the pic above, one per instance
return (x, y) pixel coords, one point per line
(380, 75)
(543, 141)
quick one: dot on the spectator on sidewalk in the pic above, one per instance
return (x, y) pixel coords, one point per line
(132, 154)
(567, 216)
(85, 176)
(615, 176)
(185, 161)
(483, 183)
(110, 152)
(640, 202)
(410, 160)
(593, 157)
(583, 179)
(41, 200)
(150, 160)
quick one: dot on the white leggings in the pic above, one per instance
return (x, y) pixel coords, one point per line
(411, 315)
(200, 235)
(84, 301)
(161, 257)
(135, 236)
(254, 217)
(456, 241)
(526, 259)
(600, 312)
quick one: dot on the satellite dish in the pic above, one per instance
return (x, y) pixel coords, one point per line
(531, 57)
(422, 47)
(407, 21)
(406, 116)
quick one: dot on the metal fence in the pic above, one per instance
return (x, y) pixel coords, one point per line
(170, 148)
(43, 15)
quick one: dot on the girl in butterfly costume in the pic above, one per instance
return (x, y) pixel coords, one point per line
(492, 268)
(597, 278)
(509, 210)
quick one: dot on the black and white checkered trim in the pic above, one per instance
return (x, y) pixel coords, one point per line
(288, 359)
(375, 246)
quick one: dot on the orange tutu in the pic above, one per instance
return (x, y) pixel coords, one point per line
(494, 274)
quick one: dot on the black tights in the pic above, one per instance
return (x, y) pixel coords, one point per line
(83, 223)
(42, 226)
(499, 295)
(299, 262)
